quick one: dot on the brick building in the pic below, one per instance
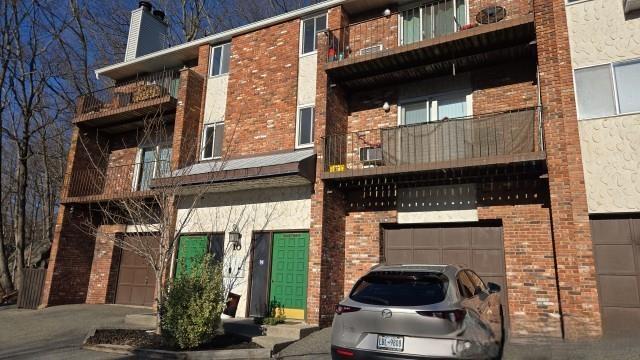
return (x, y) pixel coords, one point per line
(346, 134)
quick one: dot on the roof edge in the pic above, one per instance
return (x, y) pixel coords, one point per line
(225, 35)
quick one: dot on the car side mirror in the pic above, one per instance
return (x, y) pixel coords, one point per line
(493, 288)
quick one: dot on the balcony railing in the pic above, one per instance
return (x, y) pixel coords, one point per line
(115, 181)
(403, 28)
(438, 144)
(141, 90)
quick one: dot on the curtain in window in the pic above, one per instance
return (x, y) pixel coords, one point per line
(452, 107)
(164, 164)
(411, 26)
(628, 85)
(218, 140)
(443, 18)
(415, 113)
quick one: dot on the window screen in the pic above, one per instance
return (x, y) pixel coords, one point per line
(594, 88)
(213, 141)
(310, 27)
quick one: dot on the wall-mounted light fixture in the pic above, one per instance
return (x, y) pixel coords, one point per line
(386, 12)
(234, 238)
(386, 107)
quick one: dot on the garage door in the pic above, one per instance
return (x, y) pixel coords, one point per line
(478, 247)
(136, 281)
(617, 256)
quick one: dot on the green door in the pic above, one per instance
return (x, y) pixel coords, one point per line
(290, 260)
(192, 248)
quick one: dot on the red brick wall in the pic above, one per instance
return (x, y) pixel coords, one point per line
(571, 230)
(363, 243)
(514, 7)
(67, 278)
(188, 119)
(531, 283)
(504, 87)
(262, 91)
(104, 267)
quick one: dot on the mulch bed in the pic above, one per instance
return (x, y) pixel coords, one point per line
(149, 340)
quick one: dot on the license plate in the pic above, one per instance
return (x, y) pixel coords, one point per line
(394, 343)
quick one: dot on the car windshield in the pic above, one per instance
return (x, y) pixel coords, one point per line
(400, 288)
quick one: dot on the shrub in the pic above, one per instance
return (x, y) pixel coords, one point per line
(191, 310)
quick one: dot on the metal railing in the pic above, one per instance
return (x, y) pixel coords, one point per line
(115, 181)
(138, 90)
(395, 29)
(482, 136)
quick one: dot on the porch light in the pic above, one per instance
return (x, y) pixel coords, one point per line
(386, 106)
(234, 238)
(386, 12)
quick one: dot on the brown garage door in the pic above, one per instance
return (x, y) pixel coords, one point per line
(136, 281)
(478, 247)
(617, 255)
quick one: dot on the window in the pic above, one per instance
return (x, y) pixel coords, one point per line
(220, 59)
(212, 141)
(310, 28)
(432, 19)
(154, 162)
(608, 90)
(304, 127)
(447, 106)
(400, 288)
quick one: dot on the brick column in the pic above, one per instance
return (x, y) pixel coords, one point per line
(187, 122)
(571, 231)
(104, 270)
(327, 232)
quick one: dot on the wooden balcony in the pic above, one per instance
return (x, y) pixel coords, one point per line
(373, 52)
(478, 141)
(113, 182)
(116, 106)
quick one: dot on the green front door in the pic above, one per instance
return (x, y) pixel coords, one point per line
(191, 250)
(290, 260)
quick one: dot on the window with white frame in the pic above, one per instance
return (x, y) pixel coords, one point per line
(608, 90)
(310, 28)
(304, 127)
(427, 20)
(220, 56)
(212, 141)
(153, 162)
(433, 108)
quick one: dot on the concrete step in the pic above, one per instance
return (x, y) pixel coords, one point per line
(274, 343)
(294, 331)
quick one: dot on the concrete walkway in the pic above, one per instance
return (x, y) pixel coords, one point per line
(56, 332)
(317, 347)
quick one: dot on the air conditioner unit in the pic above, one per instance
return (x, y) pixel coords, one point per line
(631, 5)
(370, 49)
(371, 156)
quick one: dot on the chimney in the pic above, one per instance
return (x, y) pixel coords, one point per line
(147, 31)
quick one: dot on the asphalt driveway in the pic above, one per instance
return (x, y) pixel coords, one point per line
(56, 332)
(316, 347)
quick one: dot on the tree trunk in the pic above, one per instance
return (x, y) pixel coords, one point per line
(21, 200)
(158, 304)
(5, 275)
